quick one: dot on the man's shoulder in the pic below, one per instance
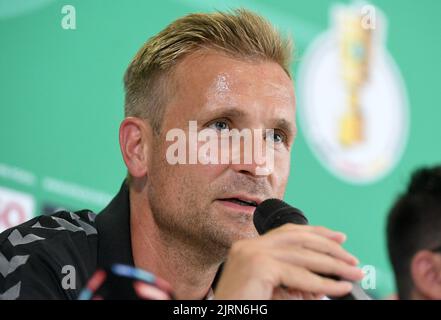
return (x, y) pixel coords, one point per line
(46, 229)
(47, 244)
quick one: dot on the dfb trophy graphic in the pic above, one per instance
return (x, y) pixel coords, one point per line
(355, 43)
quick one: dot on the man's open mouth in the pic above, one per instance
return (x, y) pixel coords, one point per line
(241, 202)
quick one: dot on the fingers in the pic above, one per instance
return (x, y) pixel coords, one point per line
(280, 293)
(316, 241)
(304, 280)
(298, 257)
(336, 236)
(324, 245)
(319, 263)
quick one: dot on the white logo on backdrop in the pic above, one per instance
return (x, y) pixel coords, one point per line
(15, 208)
(352, 99)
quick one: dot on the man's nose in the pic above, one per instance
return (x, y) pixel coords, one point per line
(250, 157)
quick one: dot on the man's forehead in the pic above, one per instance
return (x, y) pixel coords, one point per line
(245, 97)
(227, 83)
(218, 72)
(212, 80)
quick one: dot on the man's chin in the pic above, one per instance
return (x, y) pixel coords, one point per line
(229, 226)
(238, 229)
(241, 217)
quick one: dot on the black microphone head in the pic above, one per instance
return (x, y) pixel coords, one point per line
(273, 213)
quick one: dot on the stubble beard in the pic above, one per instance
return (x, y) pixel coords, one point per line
(197, 228)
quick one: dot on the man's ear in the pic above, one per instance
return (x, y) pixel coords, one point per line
(426, 273)
(135, 140)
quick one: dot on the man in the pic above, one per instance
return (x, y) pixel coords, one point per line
(414, 237)
(222, 71)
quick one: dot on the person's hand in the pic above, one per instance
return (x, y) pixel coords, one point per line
(289, 262)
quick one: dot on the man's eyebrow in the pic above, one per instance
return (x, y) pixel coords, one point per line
(285, 125)
(228, 113)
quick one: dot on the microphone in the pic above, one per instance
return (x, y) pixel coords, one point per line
(124, 282)
(273, 213)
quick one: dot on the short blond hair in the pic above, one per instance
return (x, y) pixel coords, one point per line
(240, 33)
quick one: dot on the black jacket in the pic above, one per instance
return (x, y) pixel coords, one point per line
(36, 255)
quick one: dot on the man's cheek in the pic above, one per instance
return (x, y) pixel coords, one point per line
(207, 171)
(280, 175)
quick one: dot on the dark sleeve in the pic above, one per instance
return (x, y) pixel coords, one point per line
(45, 262)
(36, 279)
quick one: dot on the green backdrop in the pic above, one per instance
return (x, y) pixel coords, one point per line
(61, 102)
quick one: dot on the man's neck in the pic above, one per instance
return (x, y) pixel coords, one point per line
(184, 268)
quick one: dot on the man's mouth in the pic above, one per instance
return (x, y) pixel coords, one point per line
(241, 202)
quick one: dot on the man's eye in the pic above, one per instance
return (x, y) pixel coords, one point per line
(276, 137)
(219, 125)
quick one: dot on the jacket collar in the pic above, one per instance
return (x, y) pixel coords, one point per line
(113, 225)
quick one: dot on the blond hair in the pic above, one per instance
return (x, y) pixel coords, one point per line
(240, 33)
